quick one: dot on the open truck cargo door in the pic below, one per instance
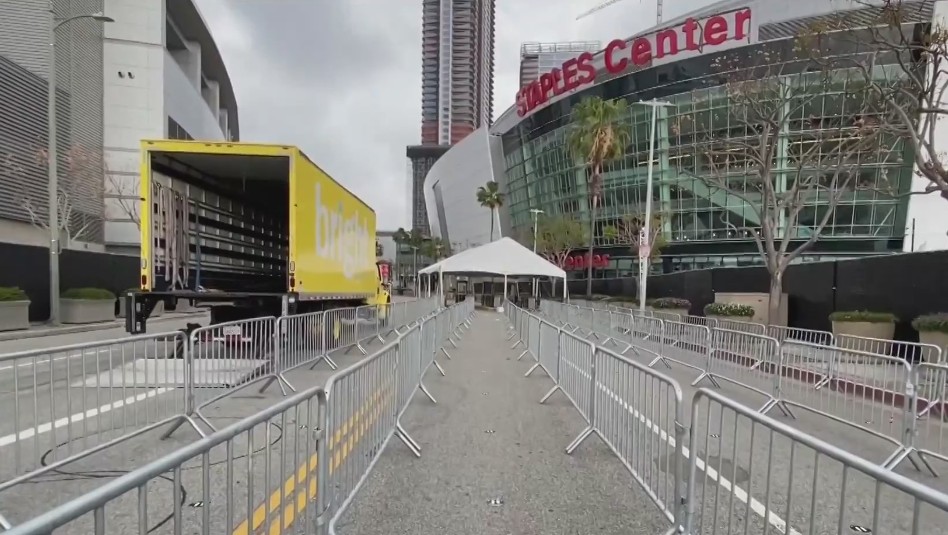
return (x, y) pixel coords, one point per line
(254, 230)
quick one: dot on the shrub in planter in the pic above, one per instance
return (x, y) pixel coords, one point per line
(14, 309)
(729, 311)
(87, 305)
(158, 311)
(879, 325)
(933, 329)
(672, 305)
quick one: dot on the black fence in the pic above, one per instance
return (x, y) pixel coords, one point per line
(907, 285)
(28, 268)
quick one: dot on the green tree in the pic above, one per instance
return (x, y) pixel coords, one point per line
(490, 197)
(599, 133)
(557, 237)
(628, 232)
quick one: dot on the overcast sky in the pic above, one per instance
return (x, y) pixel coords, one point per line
(342, 78)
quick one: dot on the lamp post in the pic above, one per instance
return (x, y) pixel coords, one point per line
(51, 157)
(645, 236)
(536, 216)
(414, 267)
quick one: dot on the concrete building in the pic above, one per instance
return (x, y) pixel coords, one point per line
(457, 84)
(24, 70)
(450, 190)
(541, 58)
(164, 78)
(698, 222)
(153, 72)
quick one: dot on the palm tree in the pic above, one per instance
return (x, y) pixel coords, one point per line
(599, 133)
(490, 197)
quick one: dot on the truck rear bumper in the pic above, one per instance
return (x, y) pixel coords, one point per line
(240, 305)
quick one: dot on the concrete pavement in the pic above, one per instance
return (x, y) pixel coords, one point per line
(492, 459)
(51, 337)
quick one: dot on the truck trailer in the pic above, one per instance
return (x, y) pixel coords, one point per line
(252, 230)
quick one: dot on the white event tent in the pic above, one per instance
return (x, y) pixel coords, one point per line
(504, 257)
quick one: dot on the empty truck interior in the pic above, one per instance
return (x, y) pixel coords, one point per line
(218, 229)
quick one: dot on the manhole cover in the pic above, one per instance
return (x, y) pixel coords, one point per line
(495, 502)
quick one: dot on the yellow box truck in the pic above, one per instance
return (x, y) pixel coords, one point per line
(254, 230)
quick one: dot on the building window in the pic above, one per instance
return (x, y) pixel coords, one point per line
(176, 131)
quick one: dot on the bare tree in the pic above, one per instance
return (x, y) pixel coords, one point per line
(780, 146)
(628, 232)
(559, 236)
(81, 190)
(903, 58)
(126, 195)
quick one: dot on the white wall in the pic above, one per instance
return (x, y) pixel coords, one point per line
(930, 212)
(138, 106)
(134, 106)
(463, 169)
(185, 102)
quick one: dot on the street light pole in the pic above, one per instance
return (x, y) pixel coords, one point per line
(645, 236)
(536, 215)
(52, 162)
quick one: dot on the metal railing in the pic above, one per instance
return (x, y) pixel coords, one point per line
(741, 470)
(67, 403)
(332, 437)
(876, 393)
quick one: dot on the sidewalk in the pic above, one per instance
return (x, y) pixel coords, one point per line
(489, 439)
(38, 330)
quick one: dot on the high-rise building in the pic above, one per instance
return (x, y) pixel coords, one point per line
(457, 84)
(540, 58)
(457, 68)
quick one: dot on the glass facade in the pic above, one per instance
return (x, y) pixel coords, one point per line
(704, 226)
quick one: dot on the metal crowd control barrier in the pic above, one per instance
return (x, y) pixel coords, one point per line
(330, 439)
(73, 401)
(821, 488)
(878, 393)
(704, 487)
(69, 402)
(636, 411)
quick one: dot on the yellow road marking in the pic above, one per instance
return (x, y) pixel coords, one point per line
(345, 438)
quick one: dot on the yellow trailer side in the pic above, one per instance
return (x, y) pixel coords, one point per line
(332, 237)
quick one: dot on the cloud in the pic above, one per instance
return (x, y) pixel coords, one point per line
(342, 79)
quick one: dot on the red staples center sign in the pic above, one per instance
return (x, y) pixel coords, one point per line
(690, 38)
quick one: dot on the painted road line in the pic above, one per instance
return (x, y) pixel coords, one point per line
(80, 416)
(742, 495)
(57, 359)
(355, 425)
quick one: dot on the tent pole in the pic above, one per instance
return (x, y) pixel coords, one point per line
(441, 285)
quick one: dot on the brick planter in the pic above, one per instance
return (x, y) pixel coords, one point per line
(77, 311)
(14, 315)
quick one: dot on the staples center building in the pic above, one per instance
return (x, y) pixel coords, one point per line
(525, 149)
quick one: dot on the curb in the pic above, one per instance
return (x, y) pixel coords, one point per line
(76, 329)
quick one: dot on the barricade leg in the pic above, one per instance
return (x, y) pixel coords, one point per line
(406, 439)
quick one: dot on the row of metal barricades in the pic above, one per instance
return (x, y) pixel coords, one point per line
(64, 404)
(879, 389)
(714, 465)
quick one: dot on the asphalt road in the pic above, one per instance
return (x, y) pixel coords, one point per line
(493, 462)
(124, 388)
(775, 481)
